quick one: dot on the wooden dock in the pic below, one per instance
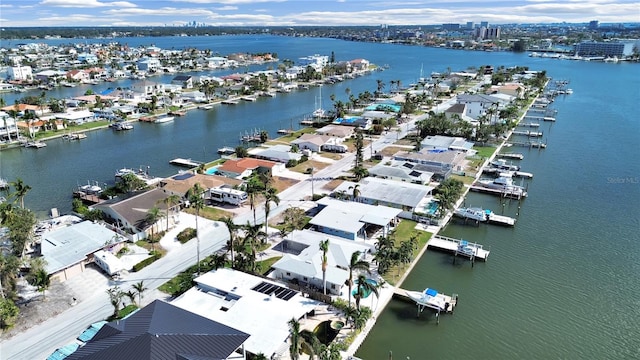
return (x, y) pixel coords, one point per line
(529, 144)
(527, 133)
(515, 156)
(87, 198)
(185, 162)
(500, 220)
(529, 124)
(458, 247)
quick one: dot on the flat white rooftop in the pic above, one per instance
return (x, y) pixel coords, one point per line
(233, 298)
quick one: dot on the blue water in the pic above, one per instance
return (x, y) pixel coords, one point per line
(384, 107)
(563, 283)
(366, 292)
(211, 171)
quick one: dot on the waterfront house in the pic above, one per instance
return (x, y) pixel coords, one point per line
(8, 127)
(254, 305)
(437, 143)
(405, 196)
(164, 331)
(359, 64)
(353, 220)
(479, 104)
(23, 109)
(185, 81)
(302, 261)
(20, 73)
(278, 153)
(244, 167)
(77, 75)
(318, 143)
(216, 62)
(515, 90)
(77, 117)
(457, 112)
(441, 163)
(69, 249)
(181, 183)
(148, 87)
(148, 64)
(401, 171)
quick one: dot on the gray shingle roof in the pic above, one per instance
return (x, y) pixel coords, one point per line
(162, 331)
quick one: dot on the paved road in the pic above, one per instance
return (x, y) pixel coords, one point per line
(40, 341)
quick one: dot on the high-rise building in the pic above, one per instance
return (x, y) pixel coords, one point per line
(484, 24)
(593, 24)
(451, 26)
(470, 25)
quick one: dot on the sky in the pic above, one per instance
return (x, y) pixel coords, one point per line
(15, 13)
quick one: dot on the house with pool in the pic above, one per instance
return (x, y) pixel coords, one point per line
(352, 220)
(413, 200)
(301, 263)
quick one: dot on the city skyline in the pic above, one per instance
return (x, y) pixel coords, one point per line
(43, 13)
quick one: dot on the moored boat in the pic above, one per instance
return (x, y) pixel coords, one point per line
(163, 119)
(477, 214)
(226, 150)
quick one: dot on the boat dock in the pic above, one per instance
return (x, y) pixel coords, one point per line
(458, 247)
(515, 156)
(185, 162)
(529, 144)
(500, 220)
(429, 298)
(527, 133)
(499, 192)
(230, 102)
(529, 125)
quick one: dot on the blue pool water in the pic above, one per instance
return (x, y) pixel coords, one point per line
(211, 171)
(384, 107)
(431, 208)
(346, 120)
(366, 291)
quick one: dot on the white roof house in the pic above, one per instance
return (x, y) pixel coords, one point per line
(254, 305)
(401, 171)
(279, 153)
(401, 195)
(306, 266)
(77, 117)
(440, 142)
(68, 249)
(349, 219)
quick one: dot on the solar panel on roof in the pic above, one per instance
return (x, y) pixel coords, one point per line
(183, 176)
(278, 291)
(415, 173)
(408, 165)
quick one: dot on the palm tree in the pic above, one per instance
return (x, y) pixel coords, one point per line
(197, 202)
(298, 340)
(253, 188)
(270, 195)
(132, 296)
(170, 201)
(356, 264)
(153, 215)
(356, 191)
(217, 261)
(140, 289)
(20, 190)
(232, 228)
(41, 281)
(364, 287)
(115, 296)
(324, 247)
(252, 236)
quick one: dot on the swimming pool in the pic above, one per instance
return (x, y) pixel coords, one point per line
(346, 120)
(384, 107)
(211, 171)
(366, 291)
(431, 208)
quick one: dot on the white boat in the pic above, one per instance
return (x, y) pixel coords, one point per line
(91, 189)
(35, 144)
(124, 171)
(319, 112)
(122, 126)
(504, 184)
(226, 150)
(163, 119)
(4, 184)
(432, 299)
(477, 214)
(502, 164)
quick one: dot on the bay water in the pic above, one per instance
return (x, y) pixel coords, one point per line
(562, 284)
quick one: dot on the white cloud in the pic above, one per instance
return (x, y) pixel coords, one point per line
(165, 11)
(85, 3)
(226, 8)
(5, 5)
(228, 2)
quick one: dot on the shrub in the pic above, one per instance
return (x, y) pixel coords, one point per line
(186, 235)
(146, 262)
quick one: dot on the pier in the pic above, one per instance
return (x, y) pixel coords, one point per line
(527, 133)
(514, 156)
(529, 125)
(529, 144)
(500, 220)
(458, 247)
(185, 162)
(429, 298)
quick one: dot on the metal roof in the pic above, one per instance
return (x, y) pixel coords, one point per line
(387, 191)
(162, 331)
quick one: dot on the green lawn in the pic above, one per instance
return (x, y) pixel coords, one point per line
(467, 180)
(210, 213)
(403, 233)
(265, 265)
(485, 151)
(290, 137)
(71, 128)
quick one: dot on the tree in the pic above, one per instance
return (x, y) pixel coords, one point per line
(170, 201)
(264, 136)
(253, 188)
(359, 144)
(197, 202)
(299, 341)
(355, 192)
(20, 225)
(152, 217)
(270, 195)
(363, 288)
(115, 297)
(385, 254)
(140, 289)
(132, 296)
(8, 313)
(232, 228)
(20, 190)
(217, 261)
(38, 275)
(253, 236)
(294, 218)
(360, 172)
(241, 151)
(9, 269)
(356, 264)
(324, 247)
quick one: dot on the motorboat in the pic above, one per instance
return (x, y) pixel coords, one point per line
(504, 184)
(35, 144)
(502, 164)
(122, 126)
(477, 214)
(163, 119)
(226, 150)
(430, 298)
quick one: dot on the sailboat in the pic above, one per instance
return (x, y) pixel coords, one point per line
(319, 112)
